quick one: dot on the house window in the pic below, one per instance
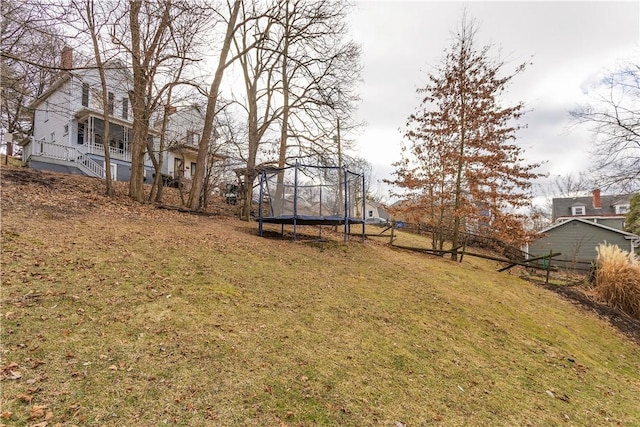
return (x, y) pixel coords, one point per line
(125, 108)
(192, 138)
(85, 94)
(370, 214)
(66, 129)
(193, 169)
(53, 137)
(577, 210)
(110, 102)
(622, 209)
(46, 111)
(177, 168)
(80, 133)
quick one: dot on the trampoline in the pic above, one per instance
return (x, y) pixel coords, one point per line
(311, 195)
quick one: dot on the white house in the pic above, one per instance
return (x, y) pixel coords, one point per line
(375, 212)
(184, 131)
(68, 127)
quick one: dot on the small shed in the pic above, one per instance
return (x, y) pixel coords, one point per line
(577, 240)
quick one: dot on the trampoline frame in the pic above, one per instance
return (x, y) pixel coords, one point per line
(296, 219)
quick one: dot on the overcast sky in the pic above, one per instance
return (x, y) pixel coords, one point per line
(570, 43)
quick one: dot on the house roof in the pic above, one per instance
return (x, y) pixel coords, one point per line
(562, 206)
(58, 81)
(66, 75)
(593, 224)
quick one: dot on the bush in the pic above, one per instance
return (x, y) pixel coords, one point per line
(618, 279)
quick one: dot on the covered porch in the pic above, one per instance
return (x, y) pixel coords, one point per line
(90, 137)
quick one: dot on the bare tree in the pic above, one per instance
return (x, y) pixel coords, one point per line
(570, 185)
(320, 68)
(31, 49)
(613, 115)
(148, 31)
(195, 195)
(259, 69)
(95, 21)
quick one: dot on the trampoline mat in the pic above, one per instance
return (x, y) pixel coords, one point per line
(310, 220)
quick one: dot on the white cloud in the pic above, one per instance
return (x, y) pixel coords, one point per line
(571, 43)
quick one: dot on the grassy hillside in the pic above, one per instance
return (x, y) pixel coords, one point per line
(118, 314)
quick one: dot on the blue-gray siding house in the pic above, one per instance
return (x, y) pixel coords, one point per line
(577, 239)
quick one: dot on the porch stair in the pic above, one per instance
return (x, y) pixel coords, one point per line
(89, 166)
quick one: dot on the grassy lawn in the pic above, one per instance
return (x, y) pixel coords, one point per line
(118, 314)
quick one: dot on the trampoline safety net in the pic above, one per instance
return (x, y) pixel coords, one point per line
(311, 195)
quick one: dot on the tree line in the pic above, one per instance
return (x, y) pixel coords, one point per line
(298, 66)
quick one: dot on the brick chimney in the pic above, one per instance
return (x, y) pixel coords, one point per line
(597, 204)
(66, 58)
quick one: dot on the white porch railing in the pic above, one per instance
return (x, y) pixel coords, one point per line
(53, 151)
(68, 154)
(114, 153)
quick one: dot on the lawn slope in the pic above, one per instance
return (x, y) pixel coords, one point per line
(116, 314)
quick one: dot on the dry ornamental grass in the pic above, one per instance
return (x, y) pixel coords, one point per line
(618, 279)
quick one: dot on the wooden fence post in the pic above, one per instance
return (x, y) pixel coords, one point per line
(393, 226)
(549, 266)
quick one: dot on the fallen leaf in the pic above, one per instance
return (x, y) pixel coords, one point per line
(37, 363)
(14, 375)
(6, 415)
(113, 368)
(37, 411)
(10, 366)
(25, 397)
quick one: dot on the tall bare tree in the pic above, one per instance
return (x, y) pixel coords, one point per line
(320, 68)
(462, 162)
(195, 195)
(613, 115)
(148, 31)
(96, 20)
(31, 49)
(293, 76)
(259, 68)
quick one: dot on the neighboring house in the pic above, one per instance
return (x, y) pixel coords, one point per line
(577, 239)
(68, 127)
(601, 209)
(583, 223)
(375, 212)
(182, 139)
(184, 131)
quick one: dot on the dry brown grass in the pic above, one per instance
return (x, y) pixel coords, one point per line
(119, 314)
(618, 279)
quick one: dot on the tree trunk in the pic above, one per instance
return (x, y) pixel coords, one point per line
(140, 124)
(203, 147)
(89, 9)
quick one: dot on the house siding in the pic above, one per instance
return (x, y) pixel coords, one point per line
(576, 241)
(54, 120)
(611, 222)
